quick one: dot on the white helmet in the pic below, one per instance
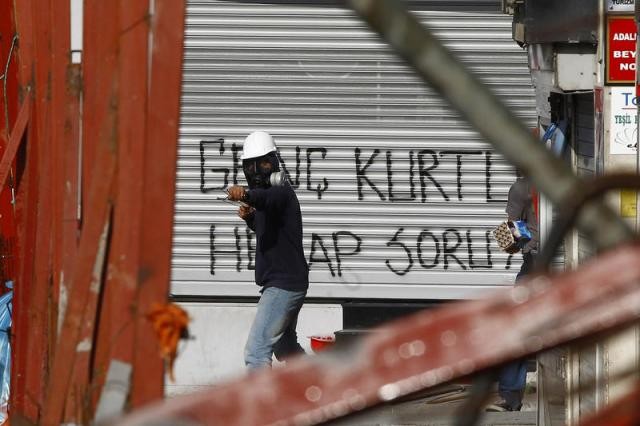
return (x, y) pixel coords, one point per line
(257, 144)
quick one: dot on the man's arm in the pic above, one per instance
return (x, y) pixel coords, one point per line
(269, 199)
(518, 200)
(246, 212)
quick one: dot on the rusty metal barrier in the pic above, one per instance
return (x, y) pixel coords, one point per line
(401, 358)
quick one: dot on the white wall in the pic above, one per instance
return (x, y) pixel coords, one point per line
(219, 332)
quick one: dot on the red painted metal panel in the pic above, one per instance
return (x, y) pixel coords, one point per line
(30, 365)
(158, 196)
(427, 349)
(8, 226)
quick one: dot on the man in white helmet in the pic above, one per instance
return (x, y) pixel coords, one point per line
(271, 209)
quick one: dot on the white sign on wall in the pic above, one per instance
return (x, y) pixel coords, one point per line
(620, 5)
(624, 121)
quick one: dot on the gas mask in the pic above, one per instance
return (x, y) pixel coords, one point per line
(263, 172)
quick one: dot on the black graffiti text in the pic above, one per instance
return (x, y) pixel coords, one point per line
(407, 251)
(446, 249)
(420, 171)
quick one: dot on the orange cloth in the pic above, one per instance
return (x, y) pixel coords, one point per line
(170, 323)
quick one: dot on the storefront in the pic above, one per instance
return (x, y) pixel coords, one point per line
(398, 193)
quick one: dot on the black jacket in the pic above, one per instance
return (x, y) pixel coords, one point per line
(277, 222)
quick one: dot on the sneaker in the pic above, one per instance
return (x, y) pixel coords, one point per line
(502, 406)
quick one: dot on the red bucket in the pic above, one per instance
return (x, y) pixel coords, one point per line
(320, 343)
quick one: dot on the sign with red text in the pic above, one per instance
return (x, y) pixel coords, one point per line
(621, 49)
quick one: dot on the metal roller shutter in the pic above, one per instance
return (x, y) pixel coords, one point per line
(398, 194)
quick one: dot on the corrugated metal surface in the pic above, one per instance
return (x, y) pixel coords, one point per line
(398, 194)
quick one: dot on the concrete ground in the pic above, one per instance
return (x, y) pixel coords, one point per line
(443, 407)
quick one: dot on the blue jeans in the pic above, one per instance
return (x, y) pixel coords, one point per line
(513, 376)
(274, 327)
(512, 380)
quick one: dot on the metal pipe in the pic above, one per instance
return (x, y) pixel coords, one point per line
(492, 119)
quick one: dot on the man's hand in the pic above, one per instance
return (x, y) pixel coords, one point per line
(236, 193)
(245, 212)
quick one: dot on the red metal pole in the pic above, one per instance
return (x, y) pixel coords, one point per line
(158, 196)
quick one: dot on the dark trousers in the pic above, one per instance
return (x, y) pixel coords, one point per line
(513, 376)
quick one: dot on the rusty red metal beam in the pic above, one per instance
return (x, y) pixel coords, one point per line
(100, 65)
(99, 82)
(41, 339)
(31, 307)
(163, 112)
(23, 393)
(15, 138)
(100, 90)
(22, 403)
(61, 126)
(115, 337)
(65, 99)
(427, 349)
